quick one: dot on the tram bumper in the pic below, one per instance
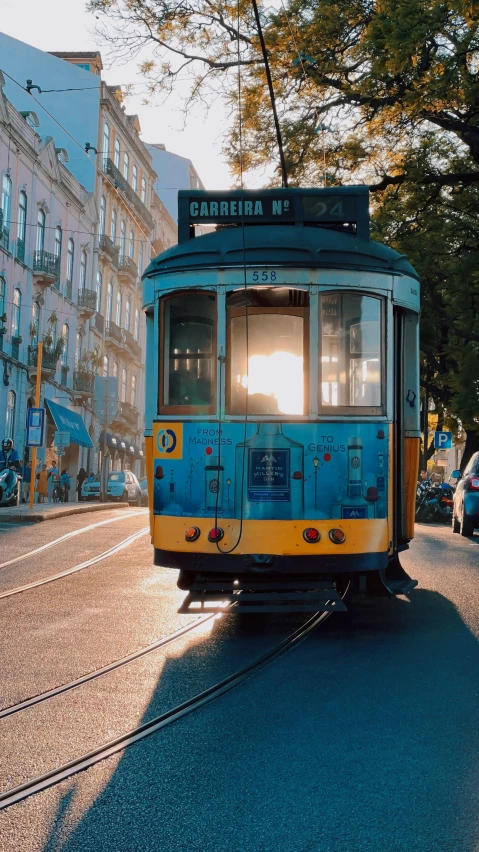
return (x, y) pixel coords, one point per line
(229, 563)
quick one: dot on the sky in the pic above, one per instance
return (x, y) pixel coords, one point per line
(65, 25)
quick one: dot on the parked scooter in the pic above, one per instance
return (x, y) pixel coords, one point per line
(434, 502)
(10, 478)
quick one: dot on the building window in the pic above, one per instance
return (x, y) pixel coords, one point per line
(53, 332)
(102, 215)
(58, 243)
(106, 140)
(140, 259)
(136, 334)
(128, 314)
(115, 369)
(109, 302)
(119, 302)
(17, 306)
(36, 315)
(22, 217)
(99, 287)
(106, 365)
(124, 379)
(6, 201)
(131, 244)
(143, 190)
(133, 390)
(10, 418)
(83, 270)
(117, 153)
(126, 165)
(122, 237)
(66, 340)
(40, 240)
(114, 223)
(70, 259)
(78, 348)
(134, 177)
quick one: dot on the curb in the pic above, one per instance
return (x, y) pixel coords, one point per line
(20, 516)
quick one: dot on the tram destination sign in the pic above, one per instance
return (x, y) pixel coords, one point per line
(339, 205)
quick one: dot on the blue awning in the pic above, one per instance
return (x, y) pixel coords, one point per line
(67, 420)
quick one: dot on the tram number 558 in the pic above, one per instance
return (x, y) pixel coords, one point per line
(263, 275)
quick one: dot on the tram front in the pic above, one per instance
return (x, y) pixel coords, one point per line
(282, 420)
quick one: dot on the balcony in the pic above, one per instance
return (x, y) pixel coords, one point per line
(21, 250)
(49, 362)
(133, 345)
(122, 184)
(108, 248)
(15, 350)
(46, 268)
(127, 415)
(98, 323)
(86, 302)
(127, 269)
(5, 238)
(114, 334)
(83, 383)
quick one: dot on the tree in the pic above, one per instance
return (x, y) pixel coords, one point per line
(383, 92)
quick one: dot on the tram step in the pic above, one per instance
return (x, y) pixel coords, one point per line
(250, 601)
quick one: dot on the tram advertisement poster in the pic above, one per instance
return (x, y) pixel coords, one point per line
(271, 470)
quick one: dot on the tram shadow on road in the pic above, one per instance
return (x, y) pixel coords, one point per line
(380, 706)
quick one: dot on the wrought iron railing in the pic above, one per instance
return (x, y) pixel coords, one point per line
(49, 358)
(21, 250)
(83, 382)
(121, 183)
(44, 261)
(99, 322)
(16, 347)
(5, 237)
(128, 413)
(64, 375)
(109, 248)
(128, 265)
(133, 345)
(68, 290)
(87, 299)
(114, 331)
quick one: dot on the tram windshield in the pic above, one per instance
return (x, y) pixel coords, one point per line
(189, 322)
(351, 337)
(273, 373)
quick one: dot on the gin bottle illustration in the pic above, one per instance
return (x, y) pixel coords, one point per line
(273, 475)
(354, 506)
(214, 484)
(172, 507)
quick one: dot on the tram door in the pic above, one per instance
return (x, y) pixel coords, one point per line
(406, 426)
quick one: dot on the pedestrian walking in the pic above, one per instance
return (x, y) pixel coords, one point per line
(81, 476)
(27, 479)
(52, 479)
(42, 484)
(65, 483)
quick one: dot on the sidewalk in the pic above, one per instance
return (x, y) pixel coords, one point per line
(51, 511)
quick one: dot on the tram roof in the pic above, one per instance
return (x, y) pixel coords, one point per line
(281, 245)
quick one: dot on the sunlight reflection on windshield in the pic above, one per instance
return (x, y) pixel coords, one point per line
(279, 375)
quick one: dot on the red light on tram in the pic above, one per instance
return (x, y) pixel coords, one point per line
(216, 534)
(337, 536)
(311, 535)
(192, 533)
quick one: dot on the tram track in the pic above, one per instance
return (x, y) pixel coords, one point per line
(86, 564)
(65, 537)
(112, 747)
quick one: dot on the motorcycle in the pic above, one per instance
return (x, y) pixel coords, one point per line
(10, 481)
(434, 502)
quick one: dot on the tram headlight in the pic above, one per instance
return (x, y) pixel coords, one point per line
(216, 534)
(337, 536)
(311, 535)
(192, 533)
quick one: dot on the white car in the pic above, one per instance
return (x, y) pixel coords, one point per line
(123, 485)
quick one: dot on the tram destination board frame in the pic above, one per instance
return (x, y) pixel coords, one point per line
(346, 205)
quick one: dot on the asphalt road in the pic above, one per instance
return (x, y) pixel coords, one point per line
(364, 737)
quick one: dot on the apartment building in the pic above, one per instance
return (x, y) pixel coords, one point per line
(48, 223)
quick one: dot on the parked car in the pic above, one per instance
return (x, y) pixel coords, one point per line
(123, 485)
(465, 512)
(144, 491)
(90, 489)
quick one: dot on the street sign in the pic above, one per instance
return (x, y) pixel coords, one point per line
(61, 440)
(35, 427)
(442, 440)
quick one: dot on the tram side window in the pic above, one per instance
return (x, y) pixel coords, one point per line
(351, 351)
(188, 363)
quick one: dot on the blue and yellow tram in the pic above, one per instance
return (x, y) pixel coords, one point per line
(282, 420)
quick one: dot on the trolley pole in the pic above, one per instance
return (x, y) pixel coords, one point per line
(38, 387)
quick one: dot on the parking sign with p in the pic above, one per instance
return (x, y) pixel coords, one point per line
(442, 440)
